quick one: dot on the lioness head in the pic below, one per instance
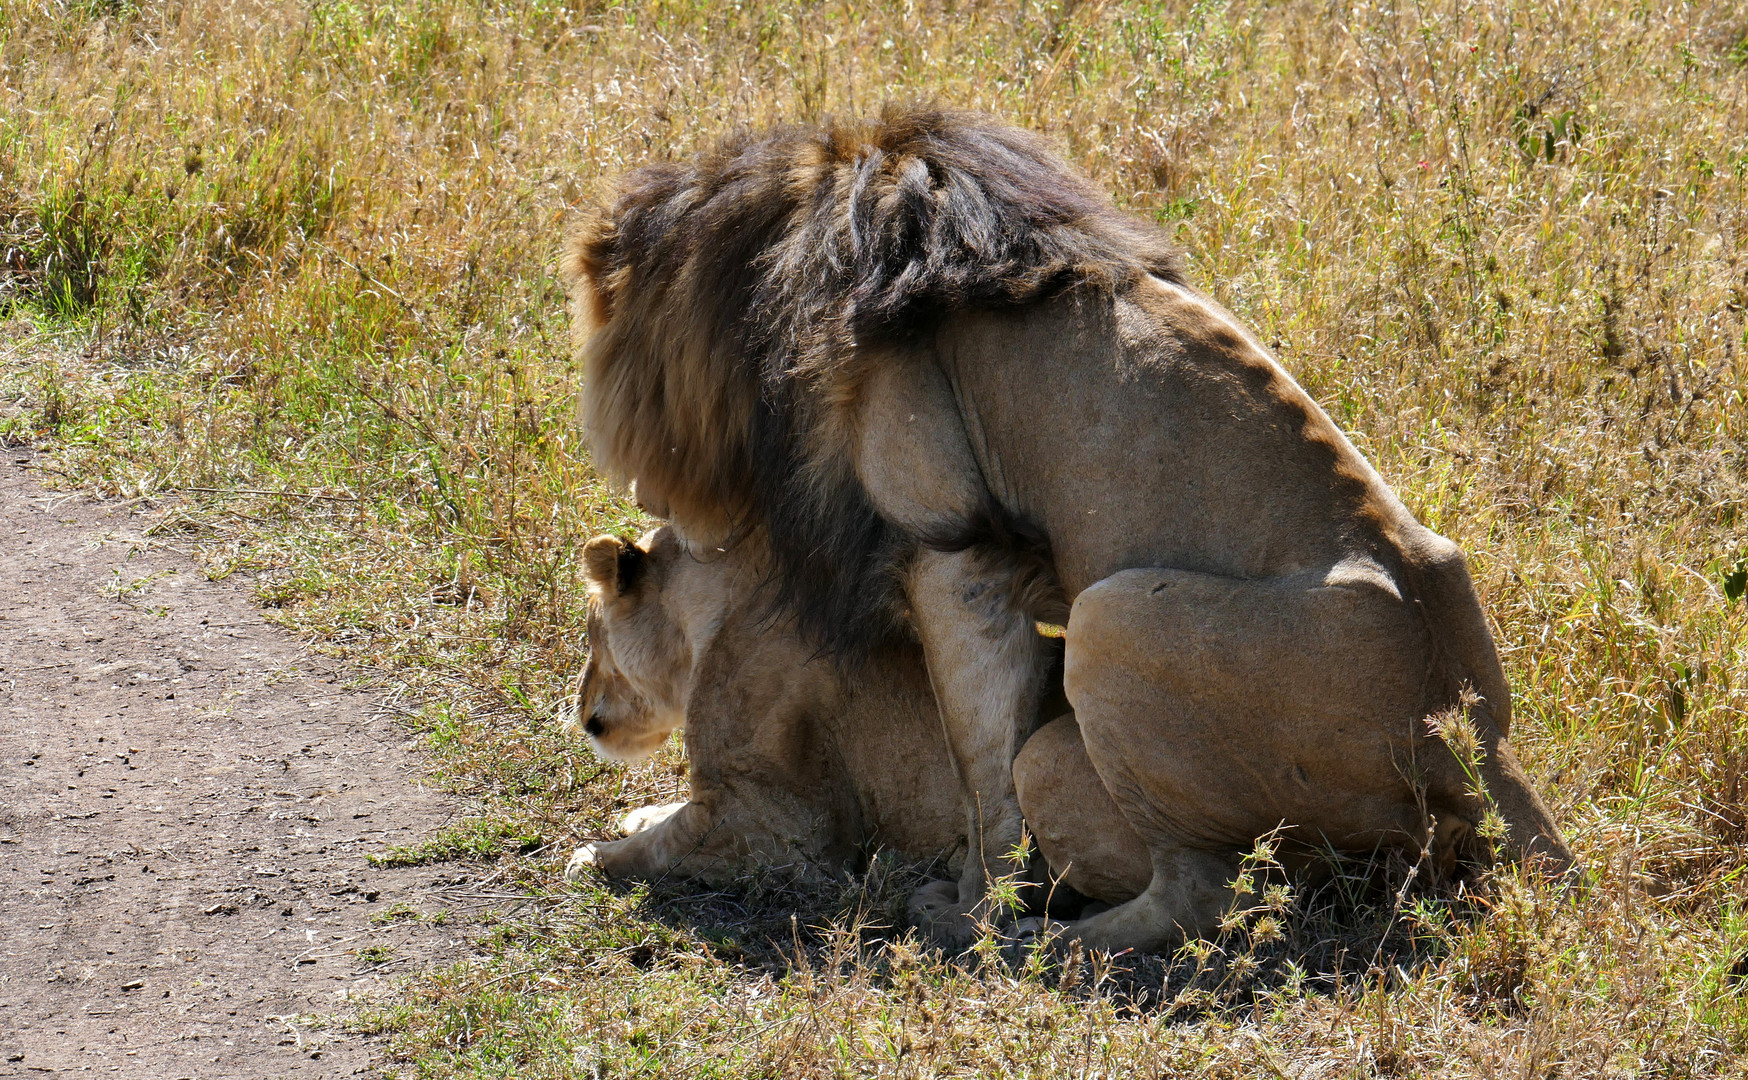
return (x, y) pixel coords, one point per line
(649, 603)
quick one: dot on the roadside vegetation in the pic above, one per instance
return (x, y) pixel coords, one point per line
(286, 271)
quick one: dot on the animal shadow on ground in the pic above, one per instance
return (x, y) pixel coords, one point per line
(1361, 924)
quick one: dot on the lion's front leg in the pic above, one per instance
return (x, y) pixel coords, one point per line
(680, 841)
(648, 817)
(987, 665)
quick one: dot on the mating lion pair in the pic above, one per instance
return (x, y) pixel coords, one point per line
(944, 389)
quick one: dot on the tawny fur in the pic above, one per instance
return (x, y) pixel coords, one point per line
(789, 764)
(955, 390)
(793, 762)
(740, 296)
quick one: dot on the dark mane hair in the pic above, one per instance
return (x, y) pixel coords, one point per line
(723, 306)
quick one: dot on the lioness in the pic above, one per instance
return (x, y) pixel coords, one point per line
(948, 383)
(791, 763)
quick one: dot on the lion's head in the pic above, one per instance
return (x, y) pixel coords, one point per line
(724, 307)
(633, 689)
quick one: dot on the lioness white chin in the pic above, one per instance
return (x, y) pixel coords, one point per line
(948, 383)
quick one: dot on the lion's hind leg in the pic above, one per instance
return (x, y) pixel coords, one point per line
(1086, 843)
(1216, 710)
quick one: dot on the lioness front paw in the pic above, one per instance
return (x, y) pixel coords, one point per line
(582, 861)
(648, 817)
(935, 910)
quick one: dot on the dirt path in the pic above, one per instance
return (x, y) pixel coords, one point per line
(186, 803)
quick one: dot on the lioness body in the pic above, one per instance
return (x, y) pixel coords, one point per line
(972, 368)
(790, 765)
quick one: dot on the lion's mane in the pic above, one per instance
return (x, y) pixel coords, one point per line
(740, 296)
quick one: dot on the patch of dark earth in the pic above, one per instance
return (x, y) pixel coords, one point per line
(187, 800)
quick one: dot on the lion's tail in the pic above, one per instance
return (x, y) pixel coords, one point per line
(1463, 645)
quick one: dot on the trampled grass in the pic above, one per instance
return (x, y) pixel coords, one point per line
(289, 269)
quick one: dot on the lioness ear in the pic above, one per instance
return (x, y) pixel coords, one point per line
(611, 565)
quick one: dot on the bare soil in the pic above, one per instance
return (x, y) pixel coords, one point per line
(187, 800)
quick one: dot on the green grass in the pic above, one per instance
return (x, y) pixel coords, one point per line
(476, 838)
(308, 251)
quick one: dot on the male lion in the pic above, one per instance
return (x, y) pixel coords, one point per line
(791, 763)
(947, 382)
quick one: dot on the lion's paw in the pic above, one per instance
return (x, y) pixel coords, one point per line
(1031, 931)
(935, 910)
(1030, 934)
(582, 861)
(933, 898)
(648, 817)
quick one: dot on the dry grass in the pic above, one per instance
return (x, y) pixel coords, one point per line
(268, 247)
